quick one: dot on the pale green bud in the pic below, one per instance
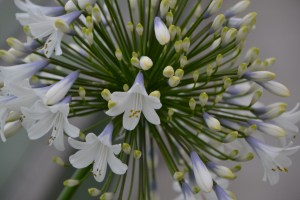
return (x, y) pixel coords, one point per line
(178, 46)
(169, 18)
(248, 20)
(89, 23)
(178, 176)
(233, 153)
(241, 44)
(94, 192)
(217, 24)
(241, 70)
(245, 157)
(107, 196)
(16, 44)
(118, 54)
(195, 76)
(89, 8)
(198, 11)
(227, 83)
(252, 54)
(9, 57)
(130, 26)
(71, 182)
(264, 65)
(111, 104)
(192, 104)
(183, 61)
(89, 36)
(256, 96)
(135, 62)
(219, 59)
(186, 44)
(219, 97)
(153, 3)
(203, 98)
(214, 7)
(168, 72)
(172, 3)
(230, 137)
(179, 73)
(126, 148)
(125, 87)
(230, 35)
(178, 31)
(82, 92)
(82, 136)
(224, 32)
(27, 31)
(63, 27)
(155, 94)
(185, 170)
(251, 129)
(209, 70)
(106, 94)
(137, 154)
(139, 29)
(97, 14)
(242, 33)
(195, 189)
(236, 168)
(164, 7)
(58, 161)
(172, 31)
(83, 30)
(183, 32)
(170, 112)
(271, 62)
(133, 4)
(255, 65)
(173, 81)
(134, 54)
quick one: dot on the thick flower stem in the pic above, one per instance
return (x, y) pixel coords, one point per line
(68, 192)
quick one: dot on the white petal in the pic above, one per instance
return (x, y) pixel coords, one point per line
(150, 114)
(118, 96)
(115, 164)
(91, 138)
(71, 130)
(154, 102)
(77, 144)
(59, 140)
(41, 127)
(84, 157)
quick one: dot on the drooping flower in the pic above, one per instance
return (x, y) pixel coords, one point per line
(274, 159)
(47, 117)
(101, 151)
(133, 103)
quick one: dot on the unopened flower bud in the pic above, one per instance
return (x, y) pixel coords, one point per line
(111, 104)
(237, 8)
(135, 62)
(89, 36)
(169, 18)
(89, 8)
(125, 87)
(271, 62)
(178, 176)
(126, 148)
(9, 57)
(139, 29)
(227, 83)
(203, 98)
(107, 196)
(198, 11)
(241, 45)
(214, 7)
(186, 44)
(146, 63)
(173, 81)
(162, 33)
(251, 129)
(236, 168)
(94, 192)
(63, 27)
(256, 96)
(230, 35)
(164, 8)
(168, 72)
(245, 157)
(170, 112)
(178, 46)
(82, 136)
(137, 154)
(179, 73)
(89, 23)
(248, 20)
(106, 94)
(172, 31)
(241, 34)
(230, 137)
(97, 14)
(172, 3)
(130, 26)
(118, 54)
(219, 170)
(58, 161)
(264, 65)
(27, 31)
(17, 45)
(178, 31)
(233, 153)
(219, 97)
(195, 189)
(224, 32)
(241, 70)
(155, 94)
(255, 65)
(183, 61)
(71, 182)
(209, 70)
(195, 76)
(82, 92)
(217, 23)
(192, 104)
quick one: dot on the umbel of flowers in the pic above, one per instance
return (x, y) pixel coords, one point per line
(168, 84)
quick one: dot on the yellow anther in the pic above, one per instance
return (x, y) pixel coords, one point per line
(95, 174)
(131, 111)
(285, 169)
(294, 136)
(50, 41)
(46, 46)
(130, 116)
(273, 169)
(136, 116)
(279, 168)
(48, 143)
(46, 52)
(139, 111)
(99, 174)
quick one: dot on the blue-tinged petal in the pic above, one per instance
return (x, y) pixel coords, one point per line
(187, 192)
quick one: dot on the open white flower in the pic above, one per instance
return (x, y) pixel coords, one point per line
(274, 159)
(47, 117)
(25, 19)
(4, 112)
(56, 27)
(101, 151)
(133, 102)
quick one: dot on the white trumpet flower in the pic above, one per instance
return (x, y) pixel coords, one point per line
(47, 117)
(274, 159)
(101, 151)
(135, 102)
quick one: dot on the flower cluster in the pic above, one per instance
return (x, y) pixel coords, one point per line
(163, 80)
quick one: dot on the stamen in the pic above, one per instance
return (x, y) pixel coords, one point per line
(130, 116)
(294, 136)
(131, 110)
(50, 41)
(139, 111)
(273, 169)
(136, 116)
(279, 168)
(46, 46)
(46, 52)
(285, 169)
